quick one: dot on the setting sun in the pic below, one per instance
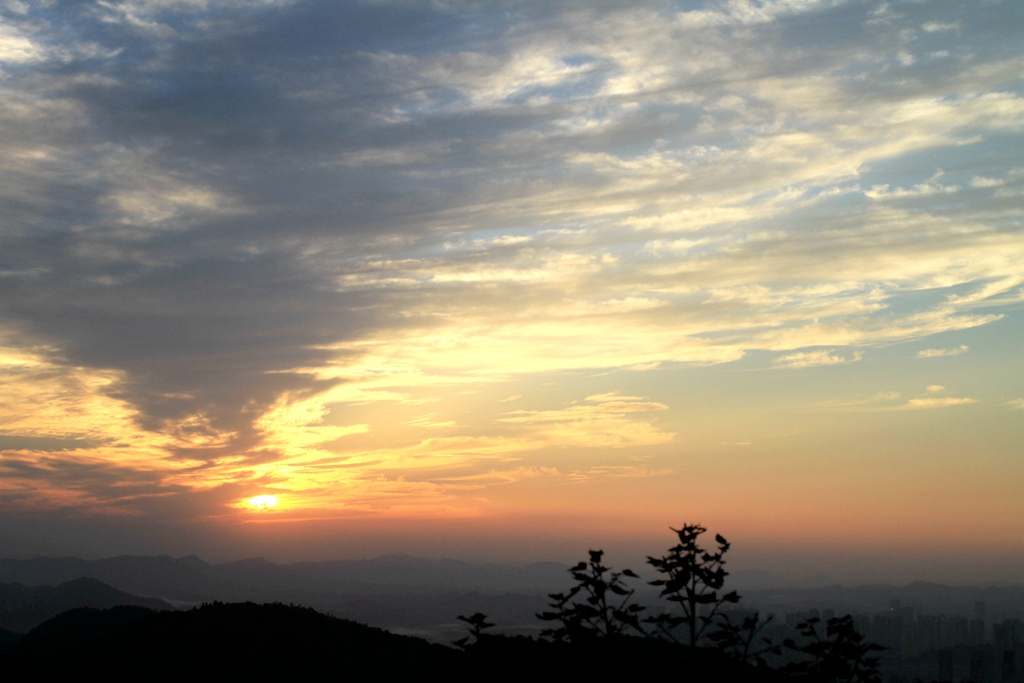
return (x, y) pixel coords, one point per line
(262, 502)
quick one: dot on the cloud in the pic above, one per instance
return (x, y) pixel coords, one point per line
(601, 420)
(809, 359)
(233, 235)
(431, 422)
(921, 190)
(891, 400)
(17, 48)
(934, 26)
(921, 403)
(938, 353)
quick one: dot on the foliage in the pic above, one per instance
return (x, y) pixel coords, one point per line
(742, 640)
(694, 577)
(596, 607)
(700, 639)
(841, 655)
(477, 624)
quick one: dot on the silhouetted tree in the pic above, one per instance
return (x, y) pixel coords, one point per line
(595, 617)
(839, 656)
(693, 579)
(477, 624)
(596, 607)
(742, 640)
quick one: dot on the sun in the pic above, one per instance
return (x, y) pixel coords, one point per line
(262, 502)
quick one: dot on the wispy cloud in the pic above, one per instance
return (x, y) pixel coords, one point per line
(891, 400)
(809, 359)
(601, 420)
(922, 403)
(431, 421)
(938, 353)
(275, 242)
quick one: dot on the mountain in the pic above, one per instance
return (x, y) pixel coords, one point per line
(246, 641)
(423, 597)
(186, 578)
(25, 607)
(407, 594)
(189, 579)
(229, 641)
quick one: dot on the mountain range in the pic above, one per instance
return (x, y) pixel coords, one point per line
(419, 596)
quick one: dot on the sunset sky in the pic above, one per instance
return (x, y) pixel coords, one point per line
(510, 280)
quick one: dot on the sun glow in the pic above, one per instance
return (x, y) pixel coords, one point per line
(262, 502)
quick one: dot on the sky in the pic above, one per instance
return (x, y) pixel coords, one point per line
(512, 280)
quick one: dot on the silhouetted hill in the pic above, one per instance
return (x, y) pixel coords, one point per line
(25, 607)
(413, 595)
(77, 628)
(233, 641)
(280, 642)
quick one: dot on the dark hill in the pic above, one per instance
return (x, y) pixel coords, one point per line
(231, 641)
(22, 608)
(279, 642)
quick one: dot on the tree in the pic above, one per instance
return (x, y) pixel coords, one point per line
(693, 579)
(596, 607)
(742, 640)
(477, 623)
(589, 641)
(839, 656)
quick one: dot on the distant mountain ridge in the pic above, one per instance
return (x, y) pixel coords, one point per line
(191, 579)
(421, 596)
(403, 593)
